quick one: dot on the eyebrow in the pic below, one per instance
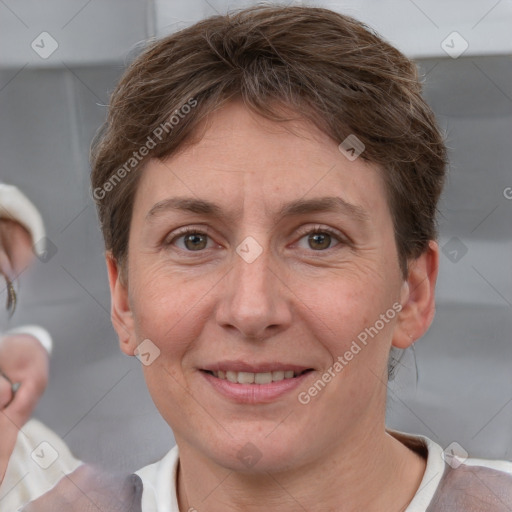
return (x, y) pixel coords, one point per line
(299, 207)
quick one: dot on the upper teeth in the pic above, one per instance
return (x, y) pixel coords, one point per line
(255, 378)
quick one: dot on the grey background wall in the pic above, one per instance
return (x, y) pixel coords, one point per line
(50, 109)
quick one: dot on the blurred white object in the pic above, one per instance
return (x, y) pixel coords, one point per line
(15, 205)
(37, 332)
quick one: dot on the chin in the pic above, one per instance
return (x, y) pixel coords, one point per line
(257, 453)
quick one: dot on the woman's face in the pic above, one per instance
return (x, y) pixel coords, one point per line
(251, 288)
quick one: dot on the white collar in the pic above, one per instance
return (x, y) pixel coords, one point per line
(160, 484)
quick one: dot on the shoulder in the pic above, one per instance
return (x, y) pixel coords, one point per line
(456, 484)
(91, 489)
(472, 487)
(37, 463)
(46, 477)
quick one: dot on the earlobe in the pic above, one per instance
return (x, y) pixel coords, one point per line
(418, 298)
(121, 313)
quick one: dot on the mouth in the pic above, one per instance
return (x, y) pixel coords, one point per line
(265, 384)
(256, 377)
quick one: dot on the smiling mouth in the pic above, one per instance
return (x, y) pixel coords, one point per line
(256, 378)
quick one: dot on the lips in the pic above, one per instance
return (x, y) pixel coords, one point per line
(255, 383)
(255, 393)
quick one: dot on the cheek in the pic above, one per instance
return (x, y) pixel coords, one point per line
(170, 307)
(347, 308)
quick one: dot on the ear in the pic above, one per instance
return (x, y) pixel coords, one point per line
(418, 298)
(121, 313)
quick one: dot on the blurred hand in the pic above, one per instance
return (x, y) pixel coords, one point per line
(15, 248)
(24, 360)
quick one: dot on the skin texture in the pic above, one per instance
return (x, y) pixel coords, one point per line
(22, 357)
(294, 304)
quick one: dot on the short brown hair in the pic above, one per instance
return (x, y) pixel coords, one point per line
(323, 66)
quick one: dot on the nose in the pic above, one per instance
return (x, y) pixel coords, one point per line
(255, 299)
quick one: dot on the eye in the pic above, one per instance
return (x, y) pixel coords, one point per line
(320, 239)
(191, 239)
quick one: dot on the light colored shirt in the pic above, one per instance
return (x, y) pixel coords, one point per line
(39, 461)
(26, 480)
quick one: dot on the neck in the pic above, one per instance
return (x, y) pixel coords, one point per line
(375, 473)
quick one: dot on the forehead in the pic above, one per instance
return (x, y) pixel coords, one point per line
(245, 161)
